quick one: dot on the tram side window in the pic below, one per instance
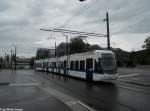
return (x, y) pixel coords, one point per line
(59, 64)
(62, 66)
(82, 65)
(76, 65)
(47, 64)
(65, 64)
(72, 65)
(54, 64)
(50, 64)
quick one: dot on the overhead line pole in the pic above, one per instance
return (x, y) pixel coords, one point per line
(11, 57)
(15, 57)
(108, 34)
(55, 49)
(67, 52)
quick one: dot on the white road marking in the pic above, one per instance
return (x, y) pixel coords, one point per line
(73, 103)
(24, 84)
(86, 106)
(70, 103)
(128, 75)
(134, 89)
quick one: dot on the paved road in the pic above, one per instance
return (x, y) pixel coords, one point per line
(122, 95)
(18, 90)
(139, 76)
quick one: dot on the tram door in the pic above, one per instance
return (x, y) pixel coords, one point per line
(89, 69)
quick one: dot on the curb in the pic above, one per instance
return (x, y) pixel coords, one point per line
(72, 103)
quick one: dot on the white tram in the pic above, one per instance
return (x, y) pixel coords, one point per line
(98, 65)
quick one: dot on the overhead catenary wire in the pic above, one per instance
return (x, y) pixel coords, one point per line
(78, 13)
(78, 32)
(74, 32)
(83, 34)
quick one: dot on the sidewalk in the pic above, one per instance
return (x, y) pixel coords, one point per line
(21, 90)
(29, 98)
(25, 96)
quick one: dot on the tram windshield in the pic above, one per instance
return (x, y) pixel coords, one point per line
(108, 63)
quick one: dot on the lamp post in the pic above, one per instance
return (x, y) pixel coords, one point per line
(55, 45)
(67, 52)
(15, 56)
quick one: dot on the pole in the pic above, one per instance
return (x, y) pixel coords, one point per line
(15, 57)
(67, 53)
(5, 61)
(67, 49)
(108, 34)
(11, 58)
(55, 50)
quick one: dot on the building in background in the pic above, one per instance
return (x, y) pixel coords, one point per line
(22, 63)
(43, 53)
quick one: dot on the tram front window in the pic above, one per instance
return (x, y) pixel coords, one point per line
(108, 64)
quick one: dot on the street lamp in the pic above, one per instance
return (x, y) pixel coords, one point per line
(55, 45)
(81, 0)
(67, 51)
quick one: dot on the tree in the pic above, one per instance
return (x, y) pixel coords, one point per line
(77, 45)
(147, 43)
(42, 53)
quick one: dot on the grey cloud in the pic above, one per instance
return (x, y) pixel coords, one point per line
(4, 5)
(20, 20)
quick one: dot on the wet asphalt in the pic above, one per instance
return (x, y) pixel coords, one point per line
(18, 90)
(128, 93)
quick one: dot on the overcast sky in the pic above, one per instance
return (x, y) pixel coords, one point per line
(20, 21)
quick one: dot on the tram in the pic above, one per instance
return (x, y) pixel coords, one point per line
(98, 65)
